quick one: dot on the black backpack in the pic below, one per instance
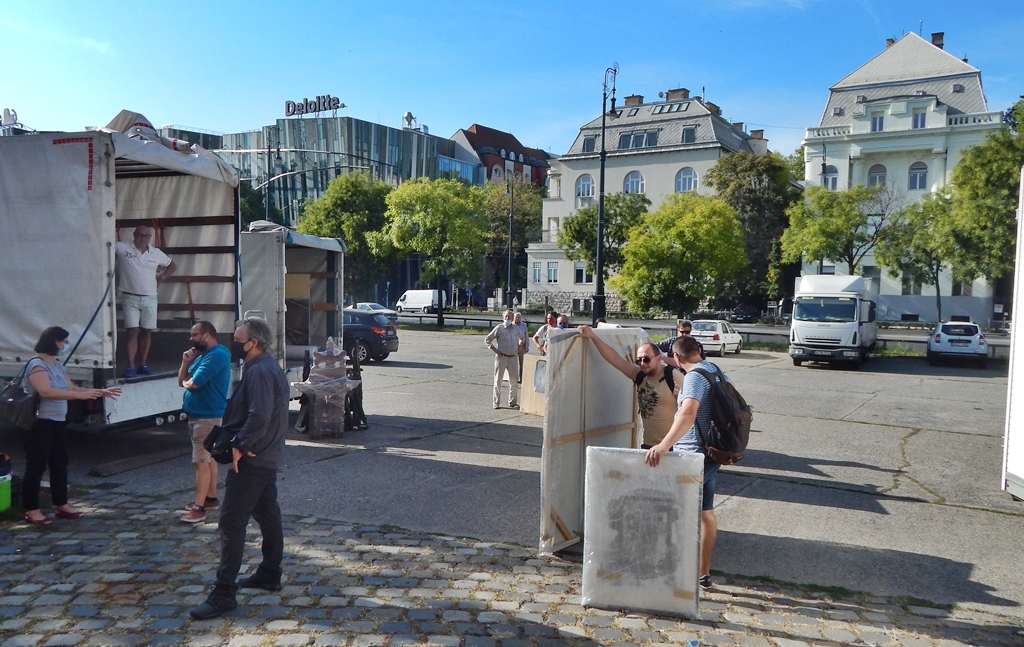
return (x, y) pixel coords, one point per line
(730, 420)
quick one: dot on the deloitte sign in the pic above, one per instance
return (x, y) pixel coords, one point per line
(320, 104)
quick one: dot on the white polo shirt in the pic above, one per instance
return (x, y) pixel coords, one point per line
(137, 270)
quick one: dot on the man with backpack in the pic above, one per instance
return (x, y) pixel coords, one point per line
(689, 433)
(657, 385)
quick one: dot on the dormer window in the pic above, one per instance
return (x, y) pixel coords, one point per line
(958, 88)
(589, 143)
(689, 135)
(632, 112)
(837, 112)
(862, 98)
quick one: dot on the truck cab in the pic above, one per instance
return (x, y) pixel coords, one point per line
(833, 319)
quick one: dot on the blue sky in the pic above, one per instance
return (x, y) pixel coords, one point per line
(532, 68)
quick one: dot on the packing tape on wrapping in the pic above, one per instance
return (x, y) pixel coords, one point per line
(682, 479)
(683, 595)
(608, 575)
(629, 426)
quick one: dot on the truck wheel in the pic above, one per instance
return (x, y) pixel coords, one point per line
(398, 309)
(797, 362)
(426, 310)
(360, 350)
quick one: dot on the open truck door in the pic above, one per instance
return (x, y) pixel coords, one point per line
(66, 198)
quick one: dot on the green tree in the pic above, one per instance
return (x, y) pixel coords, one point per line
(689, 248)
(840, 225)
(987, 187)
(353, 205)
(578, 236)
(251, 206)
(444, 221)
(919, 244)
(794, 162)
(525, 198)
(758, 188)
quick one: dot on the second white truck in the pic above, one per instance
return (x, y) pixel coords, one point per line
(833, 319)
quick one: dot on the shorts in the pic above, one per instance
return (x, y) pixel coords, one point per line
(139, 311)
(200, 428)
(710, 481)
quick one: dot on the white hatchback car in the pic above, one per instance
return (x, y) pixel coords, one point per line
(958, 339)
(716, 336)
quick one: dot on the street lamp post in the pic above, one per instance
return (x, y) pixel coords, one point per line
(511, 187)
(599, 303)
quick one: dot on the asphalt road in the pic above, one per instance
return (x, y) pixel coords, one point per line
(883, 480)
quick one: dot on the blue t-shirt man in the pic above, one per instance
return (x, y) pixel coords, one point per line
(210, 372)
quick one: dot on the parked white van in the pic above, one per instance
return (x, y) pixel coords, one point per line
(420, 300)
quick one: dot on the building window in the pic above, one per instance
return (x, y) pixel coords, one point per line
(552, 271)
(689, 135)
(686, 180)
(520, 158)
(588, 144)
(831, 178)
(876, 175)
(910, 287)
(877, 122)
(536, 272)
(632, 112)
(963, 289)
(495, 172)
(634, 183)
(582, 275)
(643, 139)
(918, 176)
(919, 117)
(585, 187)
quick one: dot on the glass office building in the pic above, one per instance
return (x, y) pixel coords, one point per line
(295, 159)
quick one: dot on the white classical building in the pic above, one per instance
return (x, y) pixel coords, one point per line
(904, 119)
(656, 148)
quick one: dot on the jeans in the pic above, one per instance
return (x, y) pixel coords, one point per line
(46, 447)
(249, 492)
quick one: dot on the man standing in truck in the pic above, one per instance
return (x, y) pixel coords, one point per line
(140, 269)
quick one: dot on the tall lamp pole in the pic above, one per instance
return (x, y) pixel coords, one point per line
(599, 304)
(510, 185)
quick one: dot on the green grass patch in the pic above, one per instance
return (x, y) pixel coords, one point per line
(899, 349)
(777, 346)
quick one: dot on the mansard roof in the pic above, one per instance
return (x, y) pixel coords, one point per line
(911, 58)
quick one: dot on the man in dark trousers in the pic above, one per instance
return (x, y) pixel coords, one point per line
(258, 410)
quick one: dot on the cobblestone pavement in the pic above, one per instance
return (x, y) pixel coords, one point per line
(129, 571)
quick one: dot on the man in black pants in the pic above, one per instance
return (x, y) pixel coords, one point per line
(258, 410)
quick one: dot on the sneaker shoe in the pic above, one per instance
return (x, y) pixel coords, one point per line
(705, 582)
(257, 582)
(196, 514)
(144, 370)
(129, 372)
(211, 503)
(214, 606)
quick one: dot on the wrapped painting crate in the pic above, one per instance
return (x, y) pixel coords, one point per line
(641, 546)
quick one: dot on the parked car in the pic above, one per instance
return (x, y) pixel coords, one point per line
(745, 314)
(377, 308)
(368, 335)
(717, 336)
(960, 339)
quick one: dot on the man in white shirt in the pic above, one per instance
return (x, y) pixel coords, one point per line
(504, 341)
(140, 269)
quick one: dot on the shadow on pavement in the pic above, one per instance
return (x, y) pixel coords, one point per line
(390, 363)
(770, 460)
(882, 572)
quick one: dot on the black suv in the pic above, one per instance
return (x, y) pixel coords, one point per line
(745, 314)
(369, 336)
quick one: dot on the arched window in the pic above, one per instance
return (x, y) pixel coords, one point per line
(831, 178)
(686, 180)
(585, 187)
(520, 158)
(634, 183)
(495, 172)
(503, 153)
(918, 176)
(876, 175)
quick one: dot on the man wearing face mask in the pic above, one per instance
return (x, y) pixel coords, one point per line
(257, 413)
(541, 336)
(504, 342)
(205, 373)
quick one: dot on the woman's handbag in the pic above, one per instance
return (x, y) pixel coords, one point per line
(218, 443)
(18, 407)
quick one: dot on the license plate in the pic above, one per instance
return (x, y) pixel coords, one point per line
(823, 352)
(959, 342)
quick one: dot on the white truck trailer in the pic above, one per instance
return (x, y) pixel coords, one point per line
(65, 199)
(833, 319)
(1013, 443)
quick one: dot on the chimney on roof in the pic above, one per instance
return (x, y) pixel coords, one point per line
(938, 39)
(678, 93)
(757, 134)
(889, 42)
(738, 125)
(964, 59)
(633, 100)
(713, 108)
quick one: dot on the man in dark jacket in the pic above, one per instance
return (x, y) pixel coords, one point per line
(258, 413)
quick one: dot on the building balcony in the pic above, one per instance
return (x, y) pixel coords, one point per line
(951, 121)
(827, 131)
(977, 118)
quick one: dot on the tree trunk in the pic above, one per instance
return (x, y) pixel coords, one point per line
(938, 293)
(439, 281)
